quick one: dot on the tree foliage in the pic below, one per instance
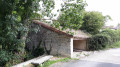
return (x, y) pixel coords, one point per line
(114, 34)
(15, 18)
(106, 38)
(97, 42)
(72, 14)
(93, 22)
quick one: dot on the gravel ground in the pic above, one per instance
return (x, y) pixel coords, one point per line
(76, 55)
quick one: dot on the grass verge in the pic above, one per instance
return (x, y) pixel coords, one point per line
(115, 45)
(50, 62)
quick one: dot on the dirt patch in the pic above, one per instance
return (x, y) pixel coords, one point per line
(56, 58)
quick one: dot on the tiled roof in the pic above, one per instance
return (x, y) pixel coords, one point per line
(78, 34)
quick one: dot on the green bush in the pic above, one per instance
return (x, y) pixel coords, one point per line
(115, 45)
(5, 56)
(105, 38)
(98, 42)
(118, 35)
(8, 59)
(112, 33)
(38, 51)
(35, 52)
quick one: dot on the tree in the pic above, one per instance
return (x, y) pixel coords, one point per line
(16, 16)
(72, 14)
(93, 22)
(15, 19)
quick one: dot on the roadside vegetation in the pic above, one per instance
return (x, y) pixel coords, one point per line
(115, 45)
(50, 62)
(107, 38)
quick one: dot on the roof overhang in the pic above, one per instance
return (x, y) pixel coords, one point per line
(60, 32)
(52, 28)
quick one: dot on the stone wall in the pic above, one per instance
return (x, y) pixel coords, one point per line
(58, 44)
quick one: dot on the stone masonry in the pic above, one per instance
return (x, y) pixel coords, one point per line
(57, 43)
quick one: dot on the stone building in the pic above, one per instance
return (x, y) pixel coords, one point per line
(56, 41)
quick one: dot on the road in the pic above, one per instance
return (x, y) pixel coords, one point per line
(90, 64)
(106, 58)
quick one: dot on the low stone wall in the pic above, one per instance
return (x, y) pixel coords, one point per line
(38, 60)
(56, 43)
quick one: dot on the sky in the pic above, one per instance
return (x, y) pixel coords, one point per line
(107, 7)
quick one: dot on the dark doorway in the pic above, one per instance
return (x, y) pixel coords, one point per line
(79, 45)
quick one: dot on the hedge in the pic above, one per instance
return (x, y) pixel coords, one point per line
(98, 41)
(105, 38)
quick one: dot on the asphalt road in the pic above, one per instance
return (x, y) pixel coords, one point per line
(82, 63)
(106, 58)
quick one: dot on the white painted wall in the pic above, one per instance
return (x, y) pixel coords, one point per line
(71, 47)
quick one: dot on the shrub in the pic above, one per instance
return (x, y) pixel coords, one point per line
(106, 37)
(35, 52)
(38, 51)
(5, 56)
(28, 56)
(118, 35)
(98, 41)
(112, 33)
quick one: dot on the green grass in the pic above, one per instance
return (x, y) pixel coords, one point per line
(0, 46)
(115, 45)
(48, 63)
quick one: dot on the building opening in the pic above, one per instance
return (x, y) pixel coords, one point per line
(79, 45)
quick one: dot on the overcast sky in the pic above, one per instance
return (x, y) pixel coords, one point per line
(107, 7)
